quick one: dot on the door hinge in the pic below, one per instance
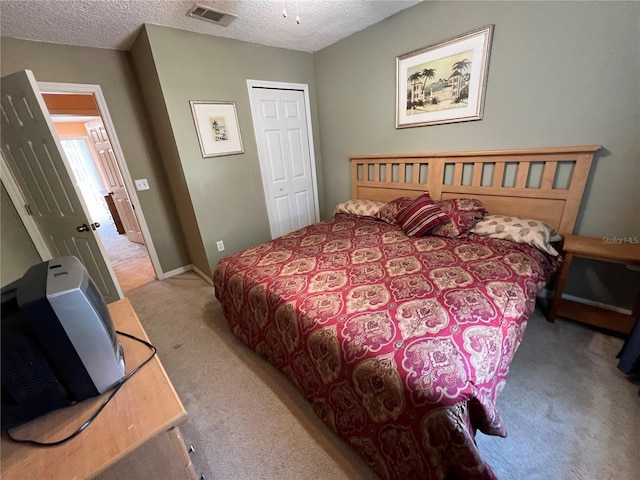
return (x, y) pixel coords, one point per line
(28, 209)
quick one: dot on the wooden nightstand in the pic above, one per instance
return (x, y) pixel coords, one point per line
(597, 249)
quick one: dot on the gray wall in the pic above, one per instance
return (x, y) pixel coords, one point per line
(113, 72)
(226, 193)
(17, 252)
(560, 74)
(145, 67)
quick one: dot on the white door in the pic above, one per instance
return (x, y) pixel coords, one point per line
(34, 155)
(282, 133)
(118, 190)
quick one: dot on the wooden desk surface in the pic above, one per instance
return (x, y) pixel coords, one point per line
(145, 406)
(597, 248)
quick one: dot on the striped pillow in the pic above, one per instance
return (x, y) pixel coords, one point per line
(421, 216)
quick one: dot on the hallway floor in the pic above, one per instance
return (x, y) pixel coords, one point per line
(129, 260)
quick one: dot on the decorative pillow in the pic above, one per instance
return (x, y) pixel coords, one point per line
(389, 211)
(462, 213)
(419, 217)
(361, 208)
(520, 230)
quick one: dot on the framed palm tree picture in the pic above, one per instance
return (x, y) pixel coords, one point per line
(217, 128)
(445, 82)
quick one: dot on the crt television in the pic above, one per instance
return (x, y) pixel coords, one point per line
(59, 345)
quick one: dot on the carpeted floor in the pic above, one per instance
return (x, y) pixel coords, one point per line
(569, 412)
(130, 261)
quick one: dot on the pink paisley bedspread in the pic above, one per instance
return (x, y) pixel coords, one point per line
(401, 344)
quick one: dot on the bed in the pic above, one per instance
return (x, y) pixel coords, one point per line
(402, 344)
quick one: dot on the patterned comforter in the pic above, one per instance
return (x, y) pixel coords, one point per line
(401, 344)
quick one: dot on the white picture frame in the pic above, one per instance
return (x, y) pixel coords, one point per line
(217, 128)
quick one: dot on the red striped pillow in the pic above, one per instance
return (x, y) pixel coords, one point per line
(421, 216)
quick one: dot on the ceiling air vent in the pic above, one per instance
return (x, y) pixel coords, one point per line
(211, 15)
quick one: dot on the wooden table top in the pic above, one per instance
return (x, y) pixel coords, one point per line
(604, 249)
(145, 406)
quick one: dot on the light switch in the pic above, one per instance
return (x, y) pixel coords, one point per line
(142, 184)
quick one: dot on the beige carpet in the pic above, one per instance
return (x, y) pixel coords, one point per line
(130, 261)
(569, 412)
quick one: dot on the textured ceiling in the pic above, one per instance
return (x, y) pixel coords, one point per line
(114, 24)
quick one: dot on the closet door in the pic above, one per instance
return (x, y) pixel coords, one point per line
(284, 148)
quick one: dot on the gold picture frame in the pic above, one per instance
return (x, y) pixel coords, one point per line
(445, 82)
(217, 128)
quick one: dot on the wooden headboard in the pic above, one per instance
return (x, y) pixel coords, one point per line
(542, 183)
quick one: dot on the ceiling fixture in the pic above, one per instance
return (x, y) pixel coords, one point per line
(284, 11)
(210, 15)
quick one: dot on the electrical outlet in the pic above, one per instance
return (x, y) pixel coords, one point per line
(142, 184)
(220, 245)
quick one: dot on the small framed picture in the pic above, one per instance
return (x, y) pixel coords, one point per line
(217, 128)
(445, 82)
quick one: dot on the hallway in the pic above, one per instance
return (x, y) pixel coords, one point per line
(129, 260)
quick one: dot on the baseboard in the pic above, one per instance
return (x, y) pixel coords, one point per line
(188, 268)
(546, 293)
(177, 271)
(204, 276)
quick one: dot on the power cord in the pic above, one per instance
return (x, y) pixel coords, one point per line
(99, 410)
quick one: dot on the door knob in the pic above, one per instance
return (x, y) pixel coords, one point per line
(83, 228)
(95, 225)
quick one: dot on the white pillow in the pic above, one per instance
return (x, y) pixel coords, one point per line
(361, 208)
(520, 230)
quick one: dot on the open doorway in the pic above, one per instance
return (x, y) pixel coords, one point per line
(96, 171)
